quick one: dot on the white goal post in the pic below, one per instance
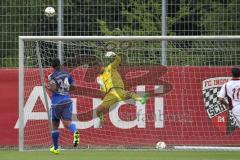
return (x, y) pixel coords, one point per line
(182, 109)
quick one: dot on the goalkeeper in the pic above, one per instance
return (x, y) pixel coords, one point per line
(111, 84)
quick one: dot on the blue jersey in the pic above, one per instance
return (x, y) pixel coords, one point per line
(62, 80)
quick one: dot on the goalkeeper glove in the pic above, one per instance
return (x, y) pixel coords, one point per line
(110, 54)
(100, 81)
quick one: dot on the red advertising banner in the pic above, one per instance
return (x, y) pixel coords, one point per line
(9, 106)
(182, 109)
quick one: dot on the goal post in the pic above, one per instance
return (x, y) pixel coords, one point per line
(182, 109)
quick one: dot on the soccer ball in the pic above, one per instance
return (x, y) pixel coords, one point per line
(49, 11)
(161, 145)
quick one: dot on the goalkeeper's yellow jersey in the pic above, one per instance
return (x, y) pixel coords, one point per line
(110, 77)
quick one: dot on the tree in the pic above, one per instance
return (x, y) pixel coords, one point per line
(21, 18)
(221, 18)
(137, 17)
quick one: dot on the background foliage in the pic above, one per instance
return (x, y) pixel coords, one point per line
(122, 17)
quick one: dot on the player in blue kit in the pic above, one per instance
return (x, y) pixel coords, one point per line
(60, 83)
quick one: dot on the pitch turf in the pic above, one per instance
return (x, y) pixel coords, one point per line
(120, 155)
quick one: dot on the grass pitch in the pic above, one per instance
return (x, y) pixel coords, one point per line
(120, 155)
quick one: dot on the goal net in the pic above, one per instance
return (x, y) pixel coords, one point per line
(182, 83)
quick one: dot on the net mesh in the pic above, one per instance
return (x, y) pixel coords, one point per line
(181, 110)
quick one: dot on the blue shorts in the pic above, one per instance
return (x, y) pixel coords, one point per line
(61, 111)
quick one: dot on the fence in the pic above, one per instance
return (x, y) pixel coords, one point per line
(119, 17)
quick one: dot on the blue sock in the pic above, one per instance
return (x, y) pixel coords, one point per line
(72, 128)
(55, 135)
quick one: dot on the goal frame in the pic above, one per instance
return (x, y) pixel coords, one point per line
(125, 38)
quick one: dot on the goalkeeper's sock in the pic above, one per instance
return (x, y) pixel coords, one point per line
(55, 136)
(72, 127)
(144, 99)
(101, 117)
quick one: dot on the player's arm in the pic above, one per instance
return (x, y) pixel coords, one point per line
(223, 101)
(72, 85)
(101, 84)
(52, 86)
(222, 95)
(117, 59)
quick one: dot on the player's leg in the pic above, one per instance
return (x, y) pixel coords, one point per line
(236, 113)
(55, 132)
(107, 101)
(100, 113)
(136, 97)
(67, 122)
(72, 127)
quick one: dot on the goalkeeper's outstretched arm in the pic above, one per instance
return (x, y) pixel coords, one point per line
(117, 59)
